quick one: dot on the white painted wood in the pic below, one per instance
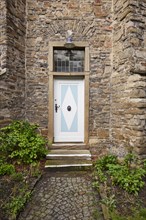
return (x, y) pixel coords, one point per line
(77, 110)
(68, 144)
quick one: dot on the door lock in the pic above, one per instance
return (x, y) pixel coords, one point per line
(69, 108)
(56, 107)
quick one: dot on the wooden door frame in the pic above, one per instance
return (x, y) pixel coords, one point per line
(53, 74)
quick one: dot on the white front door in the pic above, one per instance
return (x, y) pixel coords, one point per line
(68, 110)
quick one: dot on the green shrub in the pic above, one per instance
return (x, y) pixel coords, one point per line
(6, 169)
(123, 174)
(136, 215)
(20, 141)
(110, 202)
(102, 164)
(16, 204)
(129, 179)
(105, 161)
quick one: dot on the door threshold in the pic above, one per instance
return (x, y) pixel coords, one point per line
(68, 144)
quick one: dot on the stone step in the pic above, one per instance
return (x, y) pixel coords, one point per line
(69, 155)
(69, 146)
(69, 165)
(67, 159)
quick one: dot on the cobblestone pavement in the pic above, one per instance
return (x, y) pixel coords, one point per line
(63, 196)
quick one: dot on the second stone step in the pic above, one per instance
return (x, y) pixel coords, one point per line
(69, 154)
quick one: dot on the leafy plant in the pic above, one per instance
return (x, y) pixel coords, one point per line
(116, 216)
(17, 176)
(105, 161)
(110, 202)
(20, 141)
(130, 159)
(97, 214)
(137, 215)
(96, 184)
(35, 170)
(123, 174)
(127, 176)
(144, 164)
(6, 169)
(101, 166)
(142, 213)
(16, 204)
(21, 148)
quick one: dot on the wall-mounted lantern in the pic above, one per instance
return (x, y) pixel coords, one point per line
(69, 42)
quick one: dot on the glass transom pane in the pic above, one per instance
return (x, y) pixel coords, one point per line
(69, 60)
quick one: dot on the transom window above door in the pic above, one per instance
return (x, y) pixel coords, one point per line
(68, 60)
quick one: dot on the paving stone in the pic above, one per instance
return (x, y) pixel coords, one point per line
(66, 196)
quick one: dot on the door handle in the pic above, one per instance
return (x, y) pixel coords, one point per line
(56, 107)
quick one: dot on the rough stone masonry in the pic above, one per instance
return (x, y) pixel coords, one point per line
(116, 33)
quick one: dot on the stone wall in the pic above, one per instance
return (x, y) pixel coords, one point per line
(12, 79)
(3, 57)
(3, 37)
(90, 21)
(137, 80)
(128, 97)
(116, 33)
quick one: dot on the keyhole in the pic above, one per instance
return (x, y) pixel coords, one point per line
(69, 108)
